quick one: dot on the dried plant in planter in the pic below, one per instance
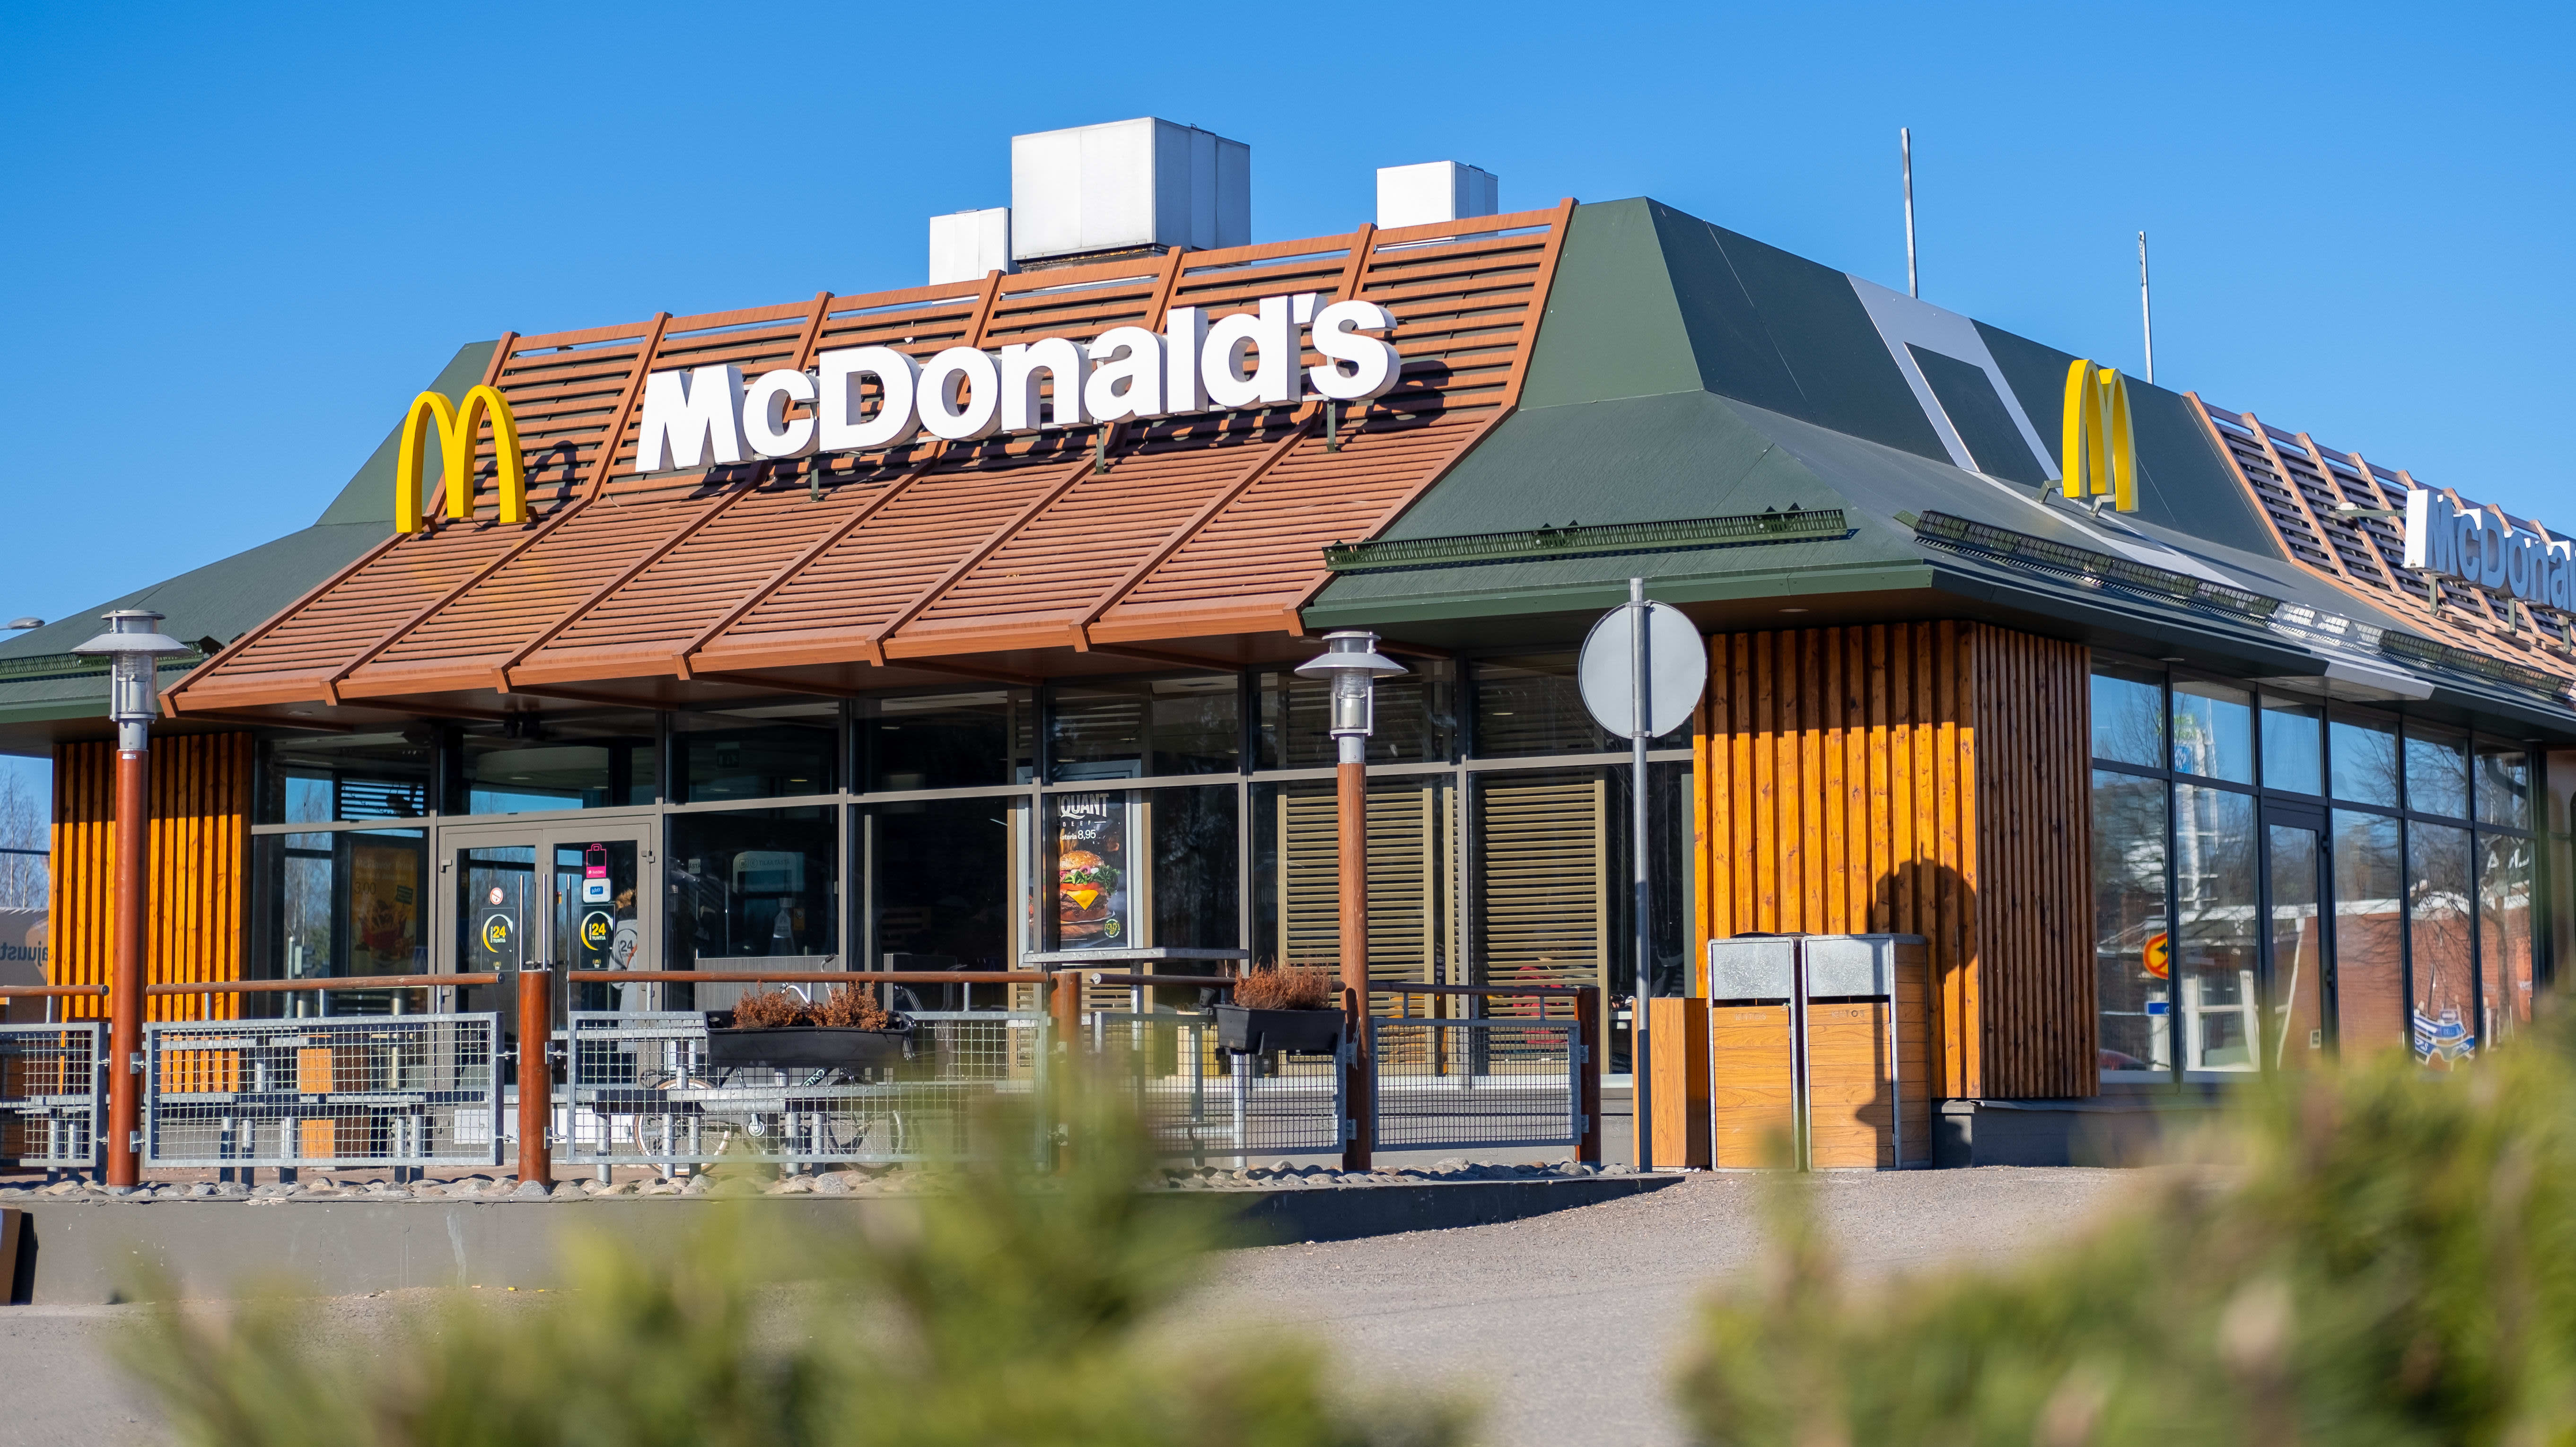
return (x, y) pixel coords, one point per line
(769, 1010)
(850, 1007)
(1286, 987)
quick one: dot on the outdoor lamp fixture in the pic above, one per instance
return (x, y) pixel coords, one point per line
(1351, 660)
(131, 646)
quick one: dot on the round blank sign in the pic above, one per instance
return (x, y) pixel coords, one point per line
(1676, 669)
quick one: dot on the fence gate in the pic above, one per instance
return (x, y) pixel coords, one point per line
(1492, 1080)
(1198, 1101)
(53, 1093)
(383, 1090)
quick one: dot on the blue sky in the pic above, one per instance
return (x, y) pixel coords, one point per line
(238, 238)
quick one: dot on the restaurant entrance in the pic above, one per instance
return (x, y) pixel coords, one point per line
(567, 895)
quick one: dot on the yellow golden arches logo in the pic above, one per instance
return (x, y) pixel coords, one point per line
(457, 428)
(2099, 455)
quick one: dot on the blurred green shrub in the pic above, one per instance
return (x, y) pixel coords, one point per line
(2376, 1256)
(1013, 1306)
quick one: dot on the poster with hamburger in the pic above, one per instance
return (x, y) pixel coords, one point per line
(1091, 872)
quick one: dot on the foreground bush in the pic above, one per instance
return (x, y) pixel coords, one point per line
(2375, 1256)
(1012, 1309)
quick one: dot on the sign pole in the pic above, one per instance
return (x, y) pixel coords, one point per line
(1641, 729)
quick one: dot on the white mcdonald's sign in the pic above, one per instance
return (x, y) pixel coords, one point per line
(2480, 547)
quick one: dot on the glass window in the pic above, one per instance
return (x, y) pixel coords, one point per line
(1416, 717)
(2369, 974)
(2504, 784)
(2213, 731)
(345, 776)
(2504, 936)
(2438, 915)
(1532, 705)
(778, 751)
(2362, 753)
(534, 762)
(947, 740)
(2218, 935)
(2294, 745)
(2129, 715)
(2131, 949)
(752, 888)
(1194, 885)
(2437, 772)
(2298, 949)
(940, 882)
(349, 902)
(1145, 727)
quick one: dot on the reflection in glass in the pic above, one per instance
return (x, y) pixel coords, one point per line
(771, 752)
(2504, 784)
(942, 882)
(351, 902)
(1146, 727)
(2298, 950)
(500, 910)
(535, 762)
(2129, 715)
(2363, 755)
(2438, 904)
(595, 924)
(310, 780)
(2213, 731)
(1192, 887)
(2217, 943)
(2294, 746)
(2437, 772)
(947, 740)
(2369, 975)
(1532, 705)
(2131, 955)
(1416, 717)
(752, 889)
(2504, 936)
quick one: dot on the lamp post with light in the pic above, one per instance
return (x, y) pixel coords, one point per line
(1351, 660)
(131, 646)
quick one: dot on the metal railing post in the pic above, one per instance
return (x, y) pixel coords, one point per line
(536, 1076)
(1587, 1030)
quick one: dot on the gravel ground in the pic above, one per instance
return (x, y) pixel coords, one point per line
(1564, 1327)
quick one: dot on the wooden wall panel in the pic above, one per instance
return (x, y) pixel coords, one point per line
(200, 840)
(1915, 778)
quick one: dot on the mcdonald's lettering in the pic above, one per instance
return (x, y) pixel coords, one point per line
(458, 426)
(2099, 455)
(2481, 547)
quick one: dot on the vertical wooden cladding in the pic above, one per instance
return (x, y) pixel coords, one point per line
(1915, 778)
(200, 864)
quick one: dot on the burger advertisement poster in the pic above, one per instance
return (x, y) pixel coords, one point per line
(1091, 872)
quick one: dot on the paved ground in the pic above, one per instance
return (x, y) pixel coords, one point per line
(1563, 1325)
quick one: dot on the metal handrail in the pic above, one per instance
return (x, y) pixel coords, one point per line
(42, 992)
(807, 977)
(339, 982)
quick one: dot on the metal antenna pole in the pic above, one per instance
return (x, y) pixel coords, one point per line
(1905, 147)
(2146, 313)
(1640, 1063)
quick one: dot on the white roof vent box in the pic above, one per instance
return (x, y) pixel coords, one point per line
(1435, 191)
(965, 245)
(1140, 186)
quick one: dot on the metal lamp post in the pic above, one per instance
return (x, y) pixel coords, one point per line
(1351, 660)
(131, 645)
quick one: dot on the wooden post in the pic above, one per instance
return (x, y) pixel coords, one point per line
(536, 1076)
(125, 984)
(1587, 1033)
(1350, 784)
(1064, 1005)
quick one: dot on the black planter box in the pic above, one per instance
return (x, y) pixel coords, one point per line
(1246, 1031)
(808, 1047)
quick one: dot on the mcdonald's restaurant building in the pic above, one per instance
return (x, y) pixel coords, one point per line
(956, 622)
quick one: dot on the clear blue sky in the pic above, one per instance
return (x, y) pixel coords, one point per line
(238, 238)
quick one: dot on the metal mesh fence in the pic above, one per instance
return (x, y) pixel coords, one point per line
(406, 1090)
(1489, 1081)
(1199, 1101)
(661, 1089)
(52, 1091)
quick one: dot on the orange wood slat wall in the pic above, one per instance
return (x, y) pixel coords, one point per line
(200, 839)
(1915, 778)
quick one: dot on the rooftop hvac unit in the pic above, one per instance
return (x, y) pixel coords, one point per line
(1127, 186)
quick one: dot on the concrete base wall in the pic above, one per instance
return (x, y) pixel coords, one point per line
(84, 1253)
(2106, 1130)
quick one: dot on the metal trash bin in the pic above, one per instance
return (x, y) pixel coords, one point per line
(1823, 1039)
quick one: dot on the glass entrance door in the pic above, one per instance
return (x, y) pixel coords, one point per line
(569, 896)
(2295, 944)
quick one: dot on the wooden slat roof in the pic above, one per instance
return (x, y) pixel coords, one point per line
(1205, 527)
